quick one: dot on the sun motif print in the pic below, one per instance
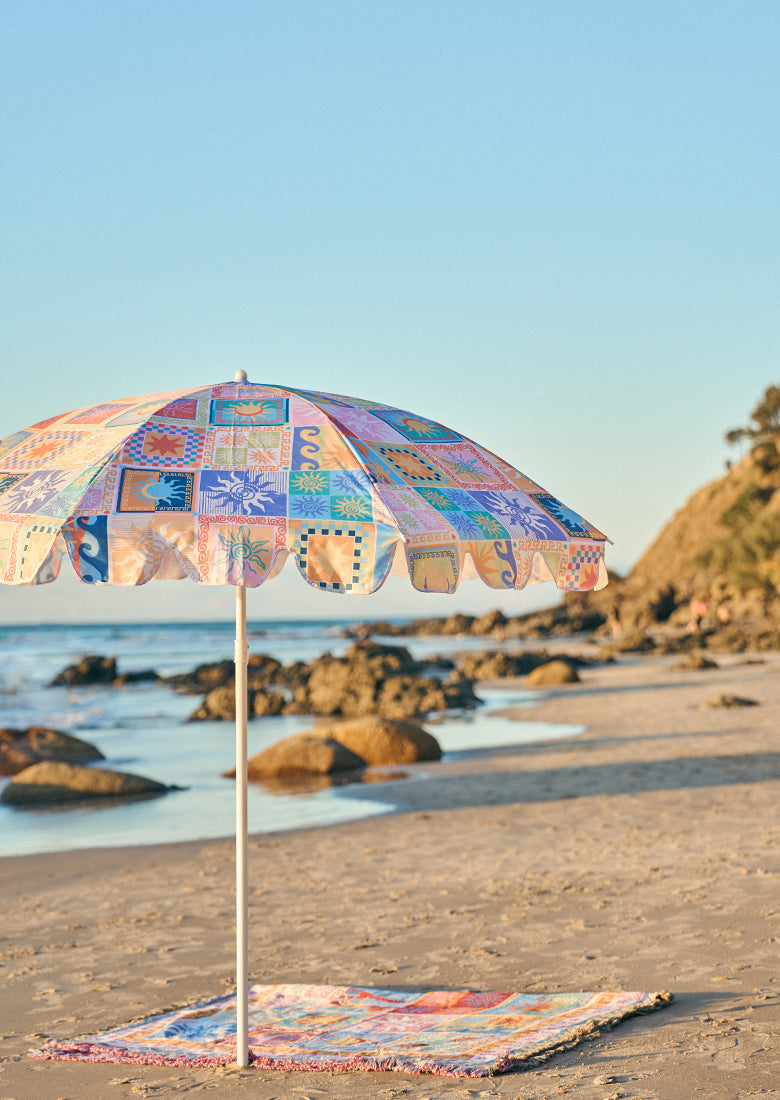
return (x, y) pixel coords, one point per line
(242, 555)
(308, 481)
(241, 493)
(155, 491)
(354, 507)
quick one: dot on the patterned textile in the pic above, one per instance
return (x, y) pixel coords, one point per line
(221, 484)
(326, 1027)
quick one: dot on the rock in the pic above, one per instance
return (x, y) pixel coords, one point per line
(49, 782)
(554, 672)
(20, 749)
(487, 624)
(147, 675)
(294, 675)
(382, 741)
(336, 686)
(89, 670)
(457, 624)
(695, 663)
(262, 670)
(727, 700)
(382, 659)
(495, 664)
(267, 703)
(300, 755)
(220, 705)
(203, 678)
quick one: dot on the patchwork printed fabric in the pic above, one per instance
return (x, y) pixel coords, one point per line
(338, 1028)
(220, 484)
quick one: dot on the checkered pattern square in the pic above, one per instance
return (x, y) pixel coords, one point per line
(165, 447)
(332, 556)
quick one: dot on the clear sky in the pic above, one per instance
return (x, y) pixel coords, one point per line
(552, 226)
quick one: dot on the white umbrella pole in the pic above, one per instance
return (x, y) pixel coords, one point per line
(242, 967)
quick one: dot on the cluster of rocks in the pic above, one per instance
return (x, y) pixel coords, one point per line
(348, 746)
(49, 766)
(368, 679)
(573, 615)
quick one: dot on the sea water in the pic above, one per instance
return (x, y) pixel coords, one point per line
(143, 728)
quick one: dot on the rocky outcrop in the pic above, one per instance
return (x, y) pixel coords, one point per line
(368, 679)
(375, 679)
(204, 678)
(144, 676)
(89, 670)
(50, 782)
(381, 740)
(495, 664)
(21, 748)
(303, 754)
(100, 670)
(554, 672)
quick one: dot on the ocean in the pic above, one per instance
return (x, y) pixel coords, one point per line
(142, 728)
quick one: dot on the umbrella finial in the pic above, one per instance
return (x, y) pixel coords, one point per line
(240, 376)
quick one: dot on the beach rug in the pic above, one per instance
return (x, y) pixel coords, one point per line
(341, 1028)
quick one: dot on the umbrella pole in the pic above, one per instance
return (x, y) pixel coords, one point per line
(242, 979)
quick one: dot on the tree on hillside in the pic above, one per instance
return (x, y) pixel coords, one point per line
(763, 432)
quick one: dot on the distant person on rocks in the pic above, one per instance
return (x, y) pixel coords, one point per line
(698, 609)
(613, 620)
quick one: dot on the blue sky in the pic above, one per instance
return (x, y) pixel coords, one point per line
(553, 226)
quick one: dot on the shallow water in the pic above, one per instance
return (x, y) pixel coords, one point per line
(141, 728)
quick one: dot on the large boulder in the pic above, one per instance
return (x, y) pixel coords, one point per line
(49, 782)
(553, 673)
(303, 754)
(89, 670)
(20, 749)
(382, 740)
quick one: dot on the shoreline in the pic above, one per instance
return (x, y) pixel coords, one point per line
(637, 855)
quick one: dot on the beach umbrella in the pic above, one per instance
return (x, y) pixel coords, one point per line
(222, 484)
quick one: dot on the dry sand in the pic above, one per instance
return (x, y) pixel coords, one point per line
(639, 855)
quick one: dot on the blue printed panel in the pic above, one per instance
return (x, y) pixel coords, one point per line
(242, 493)
(155, 491)
(572, 522)
(86, 538)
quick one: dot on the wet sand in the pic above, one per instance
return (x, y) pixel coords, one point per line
(642, 854)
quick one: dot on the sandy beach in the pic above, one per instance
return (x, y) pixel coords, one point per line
(639, 855)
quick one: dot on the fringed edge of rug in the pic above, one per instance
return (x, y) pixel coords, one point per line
(586, 1033)
(97, 1052)
(534, 1056)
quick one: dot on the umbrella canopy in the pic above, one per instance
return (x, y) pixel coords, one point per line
(223, 483)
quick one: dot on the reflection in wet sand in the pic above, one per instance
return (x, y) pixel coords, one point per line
(306, 784)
